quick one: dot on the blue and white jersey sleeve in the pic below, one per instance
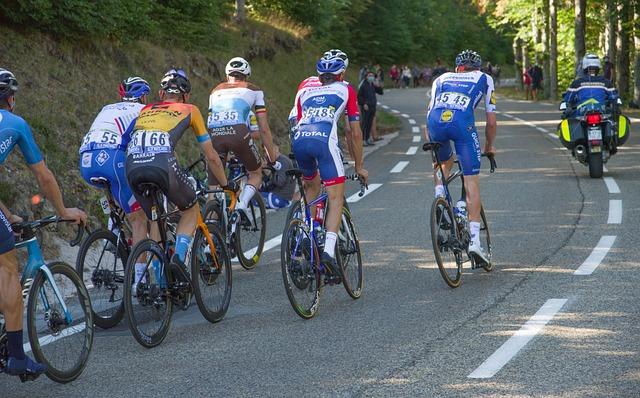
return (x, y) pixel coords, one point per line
(489, 95)
(14, 130)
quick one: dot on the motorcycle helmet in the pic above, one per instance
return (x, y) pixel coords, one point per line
(591, 61)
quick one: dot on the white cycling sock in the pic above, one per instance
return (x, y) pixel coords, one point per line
(330, 243)
(439, 190)
(245, 196)
(140, 269)
(474, 229)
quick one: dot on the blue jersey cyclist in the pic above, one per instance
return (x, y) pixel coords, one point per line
(103, 150)
(14, 131)
(454, 97)
(315, 143)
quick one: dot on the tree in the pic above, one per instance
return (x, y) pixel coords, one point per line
(579, 30)
(545, 46)
(622, 66)
(636, 66)
(553, 49)
(611, 29)
(240, 11)
(517, 62)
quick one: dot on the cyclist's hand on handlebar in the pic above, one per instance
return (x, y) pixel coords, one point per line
(364, 175)
(77, 215)
(232, 186)
(15, 219)
(490, 150)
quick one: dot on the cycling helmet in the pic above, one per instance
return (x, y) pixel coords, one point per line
(238, 64)
(175, 81)
(334, 66)
(337, 53)
(469, 58)
(590, 61)
(133, 88)
(8, 83)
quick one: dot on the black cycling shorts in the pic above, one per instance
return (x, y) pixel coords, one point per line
(164, 171)
(236, 139)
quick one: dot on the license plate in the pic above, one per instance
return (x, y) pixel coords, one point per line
(595, 133)
(596, 148)
(104, 203)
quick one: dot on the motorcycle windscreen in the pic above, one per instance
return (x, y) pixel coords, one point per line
(624, 125)
(569, 132)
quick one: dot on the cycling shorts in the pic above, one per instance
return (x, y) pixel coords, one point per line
(109, 164)
(444, 128)
(314, 154)
(7, 239)
(236, 139)
(163, 170)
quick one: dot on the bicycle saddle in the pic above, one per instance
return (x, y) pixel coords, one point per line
(294, 172)
(431, 146)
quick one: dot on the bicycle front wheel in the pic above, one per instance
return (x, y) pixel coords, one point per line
(250, 235)
(211, 274)
(60, 323)
(100, 263)
(445, 242)
(485, 239)
(350, 258)
(148, 303)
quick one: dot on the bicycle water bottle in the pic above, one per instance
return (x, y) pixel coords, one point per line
(461, 211)
(318, 220)
(319, 212)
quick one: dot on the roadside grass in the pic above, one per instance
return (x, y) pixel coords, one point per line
(386, 122)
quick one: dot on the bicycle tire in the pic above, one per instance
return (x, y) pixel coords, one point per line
(203, 276)
(308, 276)
(251, 261)
(438, 247)
(348, 246)
(485, 238)
(147, 340)
(55, 318)
(212, 211)
(107, 318)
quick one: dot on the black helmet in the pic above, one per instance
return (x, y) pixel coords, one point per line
(8, 83)
(175, 81)
(469, 58)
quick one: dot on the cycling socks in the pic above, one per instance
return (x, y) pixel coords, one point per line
(474, 229)
(246, 195)
(182, 245)
(439, 190)
(14, 345)
(330, 243)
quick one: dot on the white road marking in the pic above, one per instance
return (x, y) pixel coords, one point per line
(404, 115)
(385, 106)
(615, 211)
(542, 130)
(553, 136)
(511, 347)
(412, 150)
(597, 255)
(411, 121)
(415, 129)
(44, 340)
(604, 168)
(399, 167)
(612, 186)
(416, 138)
(268, 245)
(355, 198)
(395, 111)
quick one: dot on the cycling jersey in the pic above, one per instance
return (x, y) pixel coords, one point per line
(14, 130)
(7, 239)
(112, 127)
(454, 97)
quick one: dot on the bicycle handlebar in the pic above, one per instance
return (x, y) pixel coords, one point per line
(492, 161)
(363, 186)
(29, 228)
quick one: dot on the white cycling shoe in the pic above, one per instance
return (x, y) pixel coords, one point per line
(478, 254)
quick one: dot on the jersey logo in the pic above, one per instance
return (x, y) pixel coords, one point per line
(86, 159)
(446, 116)
(319, 100)
(6, 144)
(492, 100)
(102, 158)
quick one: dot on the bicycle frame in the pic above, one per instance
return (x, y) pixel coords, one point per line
(451, 177)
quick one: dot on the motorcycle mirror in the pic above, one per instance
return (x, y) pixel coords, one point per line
(563, 106)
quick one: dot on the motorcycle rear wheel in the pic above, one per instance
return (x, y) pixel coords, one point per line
(595, 165)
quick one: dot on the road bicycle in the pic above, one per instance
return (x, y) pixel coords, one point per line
(149, 306)
(58, 309)
(450, 230)
(301, 247)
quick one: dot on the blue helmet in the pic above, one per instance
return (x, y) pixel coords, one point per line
(175, 81)
(8, 83)
(132, 88)
(334, 66)
(469, 58)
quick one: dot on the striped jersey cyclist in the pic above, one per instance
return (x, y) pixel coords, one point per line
(454, 97)
(315, 144)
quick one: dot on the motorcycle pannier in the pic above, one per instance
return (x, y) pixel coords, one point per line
(624, 126)
(569, 131)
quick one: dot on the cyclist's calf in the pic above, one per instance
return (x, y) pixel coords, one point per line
(472, 188)
(11, 305)
(336, 198)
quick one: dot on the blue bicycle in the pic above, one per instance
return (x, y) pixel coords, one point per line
(59, 317)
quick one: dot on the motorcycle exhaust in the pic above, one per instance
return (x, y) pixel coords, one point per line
(581, 153)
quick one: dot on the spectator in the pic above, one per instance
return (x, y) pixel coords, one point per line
(495, 72)
(488, 69)
(438, 69)
(426, 75)
(526, 80)
(362, 73)
(278, 188)
(406, 76)
(368, 102)
(608, 69)
(394, 74)
(536, 80)
(379, 75)
(415, 72)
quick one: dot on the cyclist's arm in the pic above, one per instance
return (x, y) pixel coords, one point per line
(353, 113)
(51, 190)
(492, 124)
(213, 159)
(263, 126)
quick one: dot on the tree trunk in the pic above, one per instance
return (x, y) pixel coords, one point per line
(240, 10)
(611, 31)
(579, 32)
(636, 67)
(517, 61)
(545, 47)
(622, 66)
(553, 50)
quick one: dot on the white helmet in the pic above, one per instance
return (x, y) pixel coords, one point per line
(337, 53)
(238, 64)
(590, 61)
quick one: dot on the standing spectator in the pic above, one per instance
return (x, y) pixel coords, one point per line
(438, 69)
(368, 102)
(526, 80)
(394, 74)
(379, 75)
(608, 69)
(536, 80)
(415, 72)
(488, 69)
(278, 189)
(362, 73)
(406, 76)
(495, 73)
(426, 75)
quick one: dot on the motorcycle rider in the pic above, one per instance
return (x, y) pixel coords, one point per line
(592, 88)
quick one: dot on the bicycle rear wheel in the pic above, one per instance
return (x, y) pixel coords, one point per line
(250, 238)
(485, 239)
(350, 259)
(100, 263)
(149, 309)
(60, 339)
(445, 242)
(300, 273)
(211, 274)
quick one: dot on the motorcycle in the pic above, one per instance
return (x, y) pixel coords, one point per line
(594, 135)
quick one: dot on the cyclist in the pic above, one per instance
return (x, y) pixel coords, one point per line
(151, 158)
(15, 131)
(589, 89)
(230, 104)
(454, 96)
(103, 150)
(315, 144)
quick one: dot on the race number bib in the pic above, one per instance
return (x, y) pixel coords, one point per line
(101, 139)
(223, 118)
(318, 115)
(451, 100)
(143, 141)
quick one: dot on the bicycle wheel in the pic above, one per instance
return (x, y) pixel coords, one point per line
(485, 239)
(60, 339)
(445, 242)
(300, 272)
(101, 267)
(350, 259)
(213, 212)
(211, 274)
(250, 236)
(149, 309)
(294, 212)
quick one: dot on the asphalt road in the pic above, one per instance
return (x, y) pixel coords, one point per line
(410, 334)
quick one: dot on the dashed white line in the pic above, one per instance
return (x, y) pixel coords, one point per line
(44, 340)
(404, 115)
(411, 121)
(511, 347)
(268, 245)
(415, 129)
(615, 211)
(395, 111)
(416, 138)
(355, 198)
(399, 166)
(612, 186)
(543, 130)
(597, 255)
(412, 150)
(385, 106)
(553, 136)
